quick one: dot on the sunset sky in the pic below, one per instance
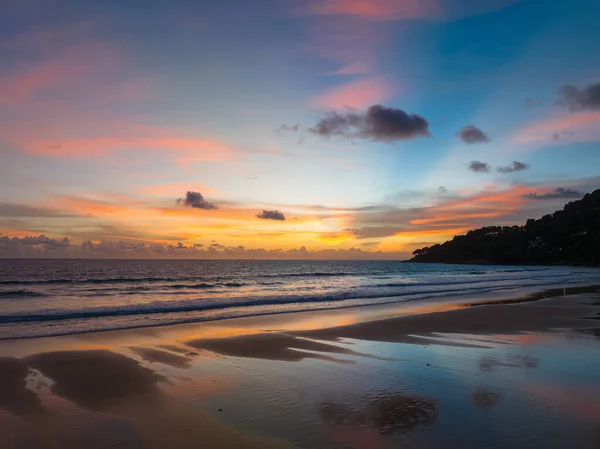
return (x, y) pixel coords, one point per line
(352, 128)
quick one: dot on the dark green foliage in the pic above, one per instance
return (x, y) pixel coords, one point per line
(568, 236)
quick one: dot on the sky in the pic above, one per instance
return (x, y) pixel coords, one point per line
(342, 129)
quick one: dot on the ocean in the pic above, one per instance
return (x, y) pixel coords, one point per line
(60, 297)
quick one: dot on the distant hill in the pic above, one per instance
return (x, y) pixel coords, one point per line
(570, 236)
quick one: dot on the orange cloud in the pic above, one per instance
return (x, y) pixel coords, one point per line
(440, 219)
(357, 94)
(431, 232)
(92, 206)
(584, 126)
(176, 189)
(502, 201)
(187, 149)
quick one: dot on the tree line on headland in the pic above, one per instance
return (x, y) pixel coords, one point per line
(569, 236)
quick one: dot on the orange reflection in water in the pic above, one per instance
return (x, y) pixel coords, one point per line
(581, 401)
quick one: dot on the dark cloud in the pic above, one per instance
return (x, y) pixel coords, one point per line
(442, 189)
(271, 215)
(561, 135)
(288, 129)
(577, 99)
(196, 200)
(479, 167)
(515, 166)
(43, 247)
(33, 245)
(378, 123)
(559, 193)
(471, 134)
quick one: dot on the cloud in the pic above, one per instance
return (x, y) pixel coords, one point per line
(32, 246)
(288, 129)
(562, 135)
(471, 134)
(173, 188)
(62, 102)
(271, 215)
(515, 166)
(45, 247)
(559, 193)
(357, 94)
(577, 99)
(196, 200)
(186, 149)
(378, 123)
(442, 189)
(581, 126)
(25, 211)
(377, 10)
(353, 68)
(479, 167)
(391, 10)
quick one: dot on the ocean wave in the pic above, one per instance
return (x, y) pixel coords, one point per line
(20, 294)
(227, 282)
(86, 281)
(206, 304)
(308, 275)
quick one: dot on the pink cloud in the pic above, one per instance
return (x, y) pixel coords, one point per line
(354, 68)
(177, 188)
(186, 149)
(578, 127)
(386, 10)
(68, 71)
(357, 94)
(52, 103)
(349, 43)
(374, 9)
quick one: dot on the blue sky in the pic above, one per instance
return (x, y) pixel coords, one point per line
(111, 111)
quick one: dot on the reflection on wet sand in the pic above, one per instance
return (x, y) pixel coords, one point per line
(270, 346)
(96, 380)
(489, 363)
(386, 414)
(15, 397)
(422, 329)
(545, 315)
(153, 355)
(579, 400)
(484, 398)
(100, 380)
(114, 397)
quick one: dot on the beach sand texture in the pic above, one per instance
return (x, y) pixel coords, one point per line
(517, 374)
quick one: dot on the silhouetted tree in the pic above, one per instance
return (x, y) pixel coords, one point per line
(568, 236)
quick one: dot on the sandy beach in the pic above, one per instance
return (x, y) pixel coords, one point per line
(515, 372)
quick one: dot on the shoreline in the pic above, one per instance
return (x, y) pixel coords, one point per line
(372, 376)
(312, 323)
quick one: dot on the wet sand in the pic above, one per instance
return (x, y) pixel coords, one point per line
(517, 372)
